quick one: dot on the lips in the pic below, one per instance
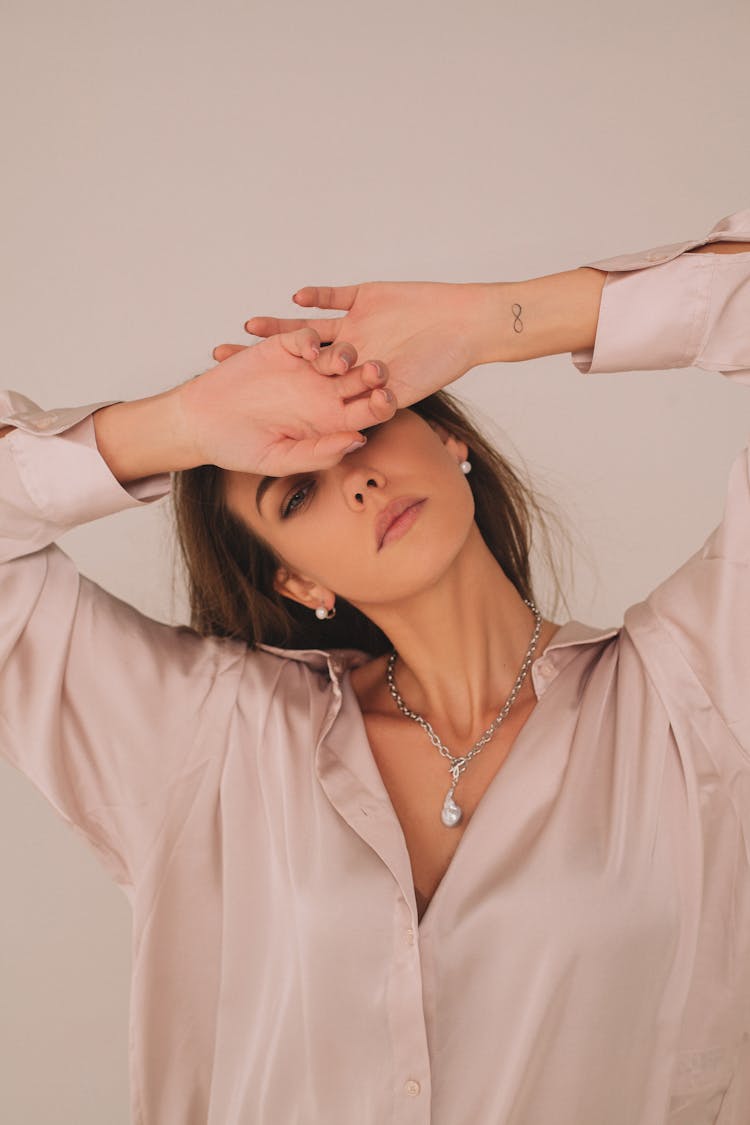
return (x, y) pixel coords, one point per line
(390, 514)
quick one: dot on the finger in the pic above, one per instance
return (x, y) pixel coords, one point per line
(223, 351)
(327, 328)
(304, 342)
(380, 406)
(326, 296)
(361, 380)
(336, 359)
(321, 452)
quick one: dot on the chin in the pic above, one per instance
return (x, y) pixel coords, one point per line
(423, 566)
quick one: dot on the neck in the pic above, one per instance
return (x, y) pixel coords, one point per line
(461, 644)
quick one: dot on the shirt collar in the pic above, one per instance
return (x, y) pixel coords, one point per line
(559, 652)
(565, 645)
(577, 633)
(334, 660)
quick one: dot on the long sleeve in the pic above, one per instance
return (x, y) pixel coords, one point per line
(660, 309)
(103, 708)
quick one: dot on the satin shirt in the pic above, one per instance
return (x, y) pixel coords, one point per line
(586, 958)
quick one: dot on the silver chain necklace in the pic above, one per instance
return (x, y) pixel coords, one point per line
(451, 812)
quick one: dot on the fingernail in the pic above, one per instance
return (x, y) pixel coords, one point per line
(388, 393)
(355, 445)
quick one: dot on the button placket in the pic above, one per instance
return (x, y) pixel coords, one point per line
(406, 1017)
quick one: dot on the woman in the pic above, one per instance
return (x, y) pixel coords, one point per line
(280, 817)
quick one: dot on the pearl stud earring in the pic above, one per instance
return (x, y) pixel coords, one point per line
(324, 614)
(465, 466)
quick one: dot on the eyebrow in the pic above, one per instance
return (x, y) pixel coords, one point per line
(263, 488)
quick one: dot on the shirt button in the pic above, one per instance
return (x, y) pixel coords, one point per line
(410, 936)
(412, 1088)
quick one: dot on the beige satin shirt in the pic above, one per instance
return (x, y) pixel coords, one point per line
(585, 960)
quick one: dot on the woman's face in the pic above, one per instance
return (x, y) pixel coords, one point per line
(322, 523)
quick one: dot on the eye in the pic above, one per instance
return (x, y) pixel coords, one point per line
(290, 507)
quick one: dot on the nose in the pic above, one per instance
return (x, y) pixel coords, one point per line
(371, 483)
(358, 479)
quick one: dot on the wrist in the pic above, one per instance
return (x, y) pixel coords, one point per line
(143, 437)
(483, 321)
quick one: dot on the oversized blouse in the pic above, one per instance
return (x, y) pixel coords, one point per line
(586, 958)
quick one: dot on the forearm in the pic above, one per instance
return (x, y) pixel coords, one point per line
(143, 437)
(542, 316)
(140, 438)
(549, 315)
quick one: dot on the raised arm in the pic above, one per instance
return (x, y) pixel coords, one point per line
(267, 411)
(431, 333)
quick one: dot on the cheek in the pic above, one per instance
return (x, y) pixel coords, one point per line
(322, 546)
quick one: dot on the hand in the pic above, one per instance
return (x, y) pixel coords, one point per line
(266, 408)
(429, 333)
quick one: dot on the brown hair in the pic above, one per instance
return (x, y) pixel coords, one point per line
(230, 570)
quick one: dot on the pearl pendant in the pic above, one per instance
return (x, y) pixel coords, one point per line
(451, 813)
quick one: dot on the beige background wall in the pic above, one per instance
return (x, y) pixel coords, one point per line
(173, 168)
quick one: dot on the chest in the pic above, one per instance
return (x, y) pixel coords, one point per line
(417, 778)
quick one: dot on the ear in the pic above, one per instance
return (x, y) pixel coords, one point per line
(458, 448)
(301, 589)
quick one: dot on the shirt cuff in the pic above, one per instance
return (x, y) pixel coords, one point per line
(61, 467)
(664, 308)
(651, 319)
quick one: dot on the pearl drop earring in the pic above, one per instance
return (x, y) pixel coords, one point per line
(465, 466)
